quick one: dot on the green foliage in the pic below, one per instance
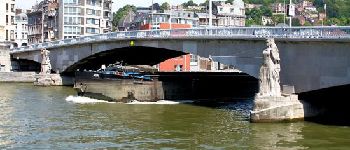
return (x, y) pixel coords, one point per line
(189, 3)
(278, 19)
(229, 1)
(206, 3)
(343, 21)
(165, 6)
(295, 22)
(122, 12)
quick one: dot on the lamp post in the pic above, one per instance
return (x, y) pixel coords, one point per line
(170, 23)
(210, 13)
(151, 21)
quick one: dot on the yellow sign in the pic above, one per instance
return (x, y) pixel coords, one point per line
(132, 43)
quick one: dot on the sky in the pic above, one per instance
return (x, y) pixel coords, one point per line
(27, 4)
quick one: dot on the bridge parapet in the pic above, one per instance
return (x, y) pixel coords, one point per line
(306, 33)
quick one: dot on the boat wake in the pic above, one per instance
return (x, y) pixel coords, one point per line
(160, 102)
(84, 100)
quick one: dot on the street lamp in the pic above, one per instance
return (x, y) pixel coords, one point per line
(210, 13)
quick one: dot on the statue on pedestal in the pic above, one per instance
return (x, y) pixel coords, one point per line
(270, 71)
(45, 62)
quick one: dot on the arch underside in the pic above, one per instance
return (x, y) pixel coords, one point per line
(136, 55)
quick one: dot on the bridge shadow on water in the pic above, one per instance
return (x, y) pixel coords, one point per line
(333, 103)
(230, 91)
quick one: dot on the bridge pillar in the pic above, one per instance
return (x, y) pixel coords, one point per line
(270, 104)
(45, 78)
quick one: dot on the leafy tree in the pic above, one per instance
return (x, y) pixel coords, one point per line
(118, 15)
(206, 3)
(296, 22)
(278, 19)
(189, 3)
(165, 6)
(266, 11)
(229, 1)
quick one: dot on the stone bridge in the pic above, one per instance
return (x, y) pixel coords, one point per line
(312, 58)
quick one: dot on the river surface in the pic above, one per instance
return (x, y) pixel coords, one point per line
(41, 118)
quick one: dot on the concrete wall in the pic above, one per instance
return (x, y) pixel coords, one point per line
(17, 77)
(308, 65)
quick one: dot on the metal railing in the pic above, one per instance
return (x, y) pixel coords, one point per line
(232, 32)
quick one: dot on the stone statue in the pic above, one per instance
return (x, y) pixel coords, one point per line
(270, 71)
(45, 62)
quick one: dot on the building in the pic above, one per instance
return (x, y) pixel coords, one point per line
(5, 60)
(43, 22)
(127, 22)
(7, 20)
(84, 17)
(278, 8)
(50, 9)
(34, 27)
(252, 6)
(203, 19)
(181, 63)
(230, 14)
(35, 31)
(21, 33)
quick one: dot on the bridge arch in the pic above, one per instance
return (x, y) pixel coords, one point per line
(131, 55)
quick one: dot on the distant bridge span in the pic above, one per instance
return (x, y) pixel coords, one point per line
(311, 58)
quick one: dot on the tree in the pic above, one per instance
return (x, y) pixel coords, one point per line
(278, 19)
(295, 22)
(165, 6)
(118, 15)
(206, 3)
(189, 3)
(266, 11)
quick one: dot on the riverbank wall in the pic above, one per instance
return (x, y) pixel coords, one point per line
(25, 77)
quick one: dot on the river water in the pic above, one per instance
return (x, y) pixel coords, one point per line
(41, 118)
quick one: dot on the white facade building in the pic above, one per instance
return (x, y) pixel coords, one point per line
(84, 17)
(7, 20)
(230, 14)
(21, 33)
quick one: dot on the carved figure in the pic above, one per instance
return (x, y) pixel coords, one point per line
(270, 71)
(45, 62)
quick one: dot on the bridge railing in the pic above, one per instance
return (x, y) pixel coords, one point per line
(232, 32)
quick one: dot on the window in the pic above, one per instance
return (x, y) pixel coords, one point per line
(232, 10)
(193, 58)
(7, 19)
(92, 30)
(12, 20)
(12, 7)
(92, 21)
(7, 7)
(71, 1)
(221, 9)
(7, 34)
(72, 20)
(72, 30)
(72, 11)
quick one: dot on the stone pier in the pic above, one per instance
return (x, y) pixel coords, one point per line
(271, 104)
(45, 78)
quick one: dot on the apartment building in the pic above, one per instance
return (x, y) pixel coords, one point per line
(229, 14)
(84, 17)
(7, 20)
(21, 33)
